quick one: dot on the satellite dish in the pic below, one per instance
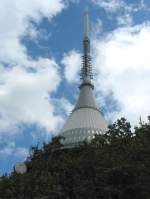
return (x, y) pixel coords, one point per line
(20, 168)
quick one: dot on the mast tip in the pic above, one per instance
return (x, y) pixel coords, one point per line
(86, 24)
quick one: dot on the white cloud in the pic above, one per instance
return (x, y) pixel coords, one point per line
(123, 65)
(72, 64)
(63, 108)
(67, 106)
(97, 28)
(64, 105)
(24, 94)
(26, 84)
(17, 23)
(21, 152)
(12, 150)
(115, 6)
(121, 11)
(7, 150)
(110, 5)
(125, 19)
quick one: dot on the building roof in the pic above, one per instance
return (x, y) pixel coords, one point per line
(85, 118)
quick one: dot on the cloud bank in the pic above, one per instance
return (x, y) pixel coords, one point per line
(25, 95)
(122, 61)
(120, 11)
(26, 83)
(72, 66)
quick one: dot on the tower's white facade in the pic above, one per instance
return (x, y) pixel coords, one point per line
(86, 119)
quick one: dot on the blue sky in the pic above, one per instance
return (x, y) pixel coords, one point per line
(40, 61)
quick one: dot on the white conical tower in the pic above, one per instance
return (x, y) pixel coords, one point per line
(86, 119)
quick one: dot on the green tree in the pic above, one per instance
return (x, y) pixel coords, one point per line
(115, 165)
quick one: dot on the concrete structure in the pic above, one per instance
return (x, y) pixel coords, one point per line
(86, 119)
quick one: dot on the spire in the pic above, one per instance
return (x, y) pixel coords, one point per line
(86, 98)
(86, 25)
(86, 71)
(85, 119)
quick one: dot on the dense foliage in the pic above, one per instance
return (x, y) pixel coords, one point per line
(113, 166)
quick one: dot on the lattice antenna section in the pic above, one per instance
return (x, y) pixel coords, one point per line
(86, 71)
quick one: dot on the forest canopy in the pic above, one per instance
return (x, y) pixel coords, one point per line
(115, 165)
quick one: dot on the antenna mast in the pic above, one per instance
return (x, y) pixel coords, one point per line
(86, 72)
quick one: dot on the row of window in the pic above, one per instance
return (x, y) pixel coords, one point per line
(79, 135)
(77, 139)
(84, 131)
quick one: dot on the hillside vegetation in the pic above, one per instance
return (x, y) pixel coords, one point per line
(113, 166)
